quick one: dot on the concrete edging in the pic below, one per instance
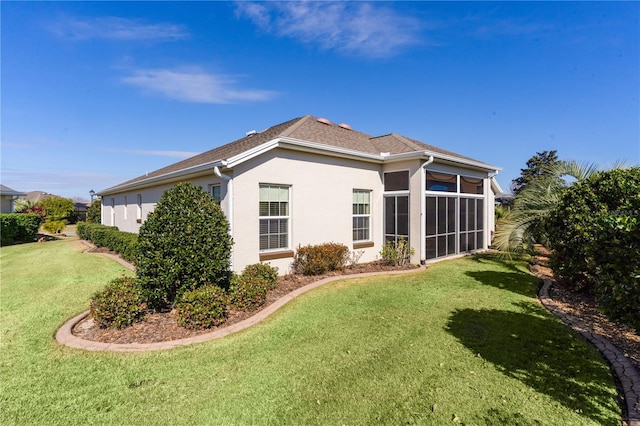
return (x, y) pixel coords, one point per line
(64, 335)
(625, 370)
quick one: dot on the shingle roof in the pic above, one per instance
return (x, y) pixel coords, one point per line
(5, 190)
(306, 128)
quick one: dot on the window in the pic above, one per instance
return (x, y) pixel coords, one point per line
(396, 218)
(215, 193)
(441, 226)
(113, 212)
(471, 185)
(361, 214)
(442, 182)
(139, 208)
(274, 217)
(396, 181)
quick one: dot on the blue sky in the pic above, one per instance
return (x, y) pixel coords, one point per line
(96, 93)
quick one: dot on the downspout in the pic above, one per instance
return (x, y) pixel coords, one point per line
(490, 211)
(229, 179)
(423, 211)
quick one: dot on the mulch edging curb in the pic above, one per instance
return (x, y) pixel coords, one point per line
(65, 336)
(627, 374)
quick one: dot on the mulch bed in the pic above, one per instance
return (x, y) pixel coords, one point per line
(584, 307)
(162, 327)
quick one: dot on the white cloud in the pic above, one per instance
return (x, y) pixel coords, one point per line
(365, 29)
(114, 28)
(194, 85)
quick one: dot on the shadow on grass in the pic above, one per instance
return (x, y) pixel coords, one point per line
(542, 354)
(516, 281)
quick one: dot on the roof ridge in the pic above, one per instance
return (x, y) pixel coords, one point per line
(289, 130)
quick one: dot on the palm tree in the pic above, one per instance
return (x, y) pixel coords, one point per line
(524, 223)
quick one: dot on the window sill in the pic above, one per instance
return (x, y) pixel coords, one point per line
(363, 244)
(272, 255)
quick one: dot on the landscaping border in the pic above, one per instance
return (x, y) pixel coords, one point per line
(65, 336)
(628, 376)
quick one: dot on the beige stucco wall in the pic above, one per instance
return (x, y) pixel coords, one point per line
(321, 191)
(6, 205)
(128, 222)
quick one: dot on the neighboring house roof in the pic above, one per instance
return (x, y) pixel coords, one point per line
(35, 196)
(5, 190)
(309, 133)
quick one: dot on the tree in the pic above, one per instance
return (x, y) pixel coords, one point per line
(22, 204)
(184, 244)
(538, 166)
(94, 212)
(525, 224)
(58, 212)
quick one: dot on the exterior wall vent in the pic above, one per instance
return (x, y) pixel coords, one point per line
(344, 126)
(323, 120)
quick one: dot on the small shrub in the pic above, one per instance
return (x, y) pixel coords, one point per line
(318, 259)
(54, 226)
(119, 305)
(204, 307)
(397, 254)
(264, 271)
(247, 292)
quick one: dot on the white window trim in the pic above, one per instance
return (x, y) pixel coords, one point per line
(367, 215)
(288, 218)
(139, 207)
(401, 191)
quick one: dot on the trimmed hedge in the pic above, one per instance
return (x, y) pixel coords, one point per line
(204, 307)
(318, 259)
(123, 243)
(119, 305)
(18, 227)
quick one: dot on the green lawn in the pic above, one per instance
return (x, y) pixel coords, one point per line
(463, 342)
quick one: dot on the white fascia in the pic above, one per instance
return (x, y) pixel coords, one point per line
(304, 146)
(464, 161)
(202, 168)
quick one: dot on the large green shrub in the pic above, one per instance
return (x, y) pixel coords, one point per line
(595, 237)
(318, 259)
(119, 305)
(123, 243)
(203, 307)
(18, 227)
(184, 244)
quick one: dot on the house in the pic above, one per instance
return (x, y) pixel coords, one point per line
(7, 197)
(311, 181)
